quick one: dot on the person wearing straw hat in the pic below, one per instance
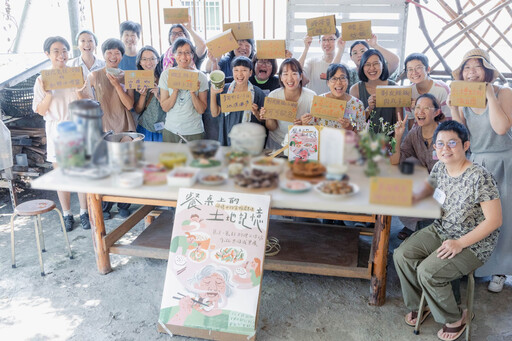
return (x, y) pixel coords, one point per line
(491, 147)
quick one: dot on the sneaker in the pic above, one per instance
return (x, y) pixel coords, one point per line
(107, 216)
(84, 220)
(496, 283)
(124, 213)
(68, 222)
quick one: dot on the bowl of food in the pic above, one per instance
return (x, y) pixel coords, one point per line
(214, 179)
(235, 156)
(308, 168)
(182, 177)
(203, 149)
(266, 164)
(295, 186)
(171, 160)
(114, 71)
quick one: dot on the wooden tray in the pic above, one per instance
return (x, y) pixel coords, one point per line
(313, 179)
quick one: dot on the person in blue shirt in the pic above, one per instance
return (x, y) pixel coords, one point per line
(130, 35)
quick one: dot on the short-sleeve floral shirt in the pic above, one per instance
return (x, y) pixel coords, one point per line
(461, 211)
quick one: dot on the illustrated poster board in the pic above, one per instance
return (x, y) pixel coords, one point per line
(138, 79)
(175, 15)
(241, 30)
(280, 109)
(222, 43)
(213, 280)
(356, 30)
(328, 108)
(183, 79)
(68, 77)
(237, 101)
(321, 25)
(332, 146)
(271, 49)
(467, 94)
(391, 191)
(393, 96)
(303, 142)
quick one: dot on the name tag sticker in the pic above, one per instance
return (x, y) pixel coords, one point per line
(439, 196)
(159, 126)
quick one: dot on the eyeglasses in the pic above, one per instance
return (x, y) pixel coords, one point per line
(178, 34)
(336, 79)
(186, 53)
(451, 144)
(418, 68)
(327, 40)
(418, 108)
(264, 62)
(374, 65)
(148, 59)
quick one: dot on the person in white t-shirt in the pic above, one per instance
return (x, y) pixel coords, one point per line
(417, 68)
(87, 42)
(315, 68)
(290, 78)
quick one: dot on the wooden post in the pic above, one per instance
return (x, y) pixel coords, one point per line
(98, 232)
(380, 246)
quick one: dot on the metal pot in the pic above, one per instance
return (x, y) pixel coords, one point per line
(124, 156)
(87, 116)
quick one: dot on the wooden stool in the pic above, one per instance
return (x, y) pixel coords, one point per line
(35, 208)
(469, 297)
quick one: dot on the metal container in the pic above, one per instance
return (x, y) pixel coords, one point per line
(122, 155)
(87, 116)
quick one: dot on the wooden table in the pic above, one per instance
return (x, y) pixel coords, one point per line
(296, 239)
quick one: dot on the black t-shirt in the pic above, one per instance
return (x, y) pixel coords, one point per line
(270, 85)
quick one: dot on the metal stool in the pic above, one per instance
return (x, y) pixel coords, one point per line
(469, 298)
(36, 208)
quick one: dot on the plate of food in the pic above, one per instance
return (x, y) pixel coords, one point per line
(214, 179)
(295, 186)
(230, 255)
(268, 164)
(256, 179)
(336, 189)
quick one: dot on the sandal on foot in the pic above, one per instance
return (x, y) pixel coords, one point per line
(453, 330)
(414, 315)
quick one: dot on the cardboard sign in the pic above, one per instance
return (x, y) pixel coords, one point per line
(271, 49)
(238, 101)
(467, 94)
(175, 15)
(391, 191)
(68, 77)
(321, 25)
(213, 280)
(328, 108)
(138, 79)
(303, 143)
(222, 43)
(241, 30)
(393, 96)
(183, 79)
(279, 109)
(356, 30)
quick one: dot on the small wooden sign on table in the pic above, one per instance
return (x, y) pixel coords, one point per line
(213, 281)
(237, 101)
(356, 30)
(468, 94)
(175, 15)
(393, 96)
(328, 108)
(391, 191)
(138, 79)
(321, 25)
(183, 79)
(271, 49)
(279, 109)
(241, 30)
(222, 43)
(68, 77)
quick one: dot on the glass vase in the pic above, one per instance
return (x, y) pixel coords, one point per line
(372, 168)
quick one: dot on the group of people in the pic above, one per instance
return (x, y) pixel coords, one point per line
(473, 193)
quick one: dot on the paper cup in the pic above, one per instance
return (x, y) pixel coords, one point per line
(217, 78)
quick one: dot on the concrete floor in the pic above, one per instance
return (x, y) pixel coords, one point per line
(74, 302)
